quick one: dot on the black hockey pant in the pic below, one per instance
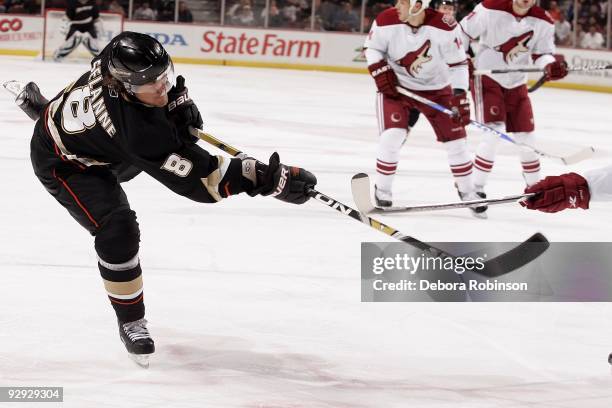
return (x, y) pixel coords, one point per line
(94, 198)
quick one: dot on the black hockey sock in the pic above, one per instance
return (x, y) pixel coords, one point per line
(123, 284)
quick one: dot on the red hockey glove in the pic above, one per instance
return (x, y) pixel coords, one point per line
(556, 70)
(460, 104)
(385, 78)
(556, 193)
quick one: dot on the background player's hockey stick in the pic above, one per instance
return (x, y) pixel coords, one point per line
(360, 187)
(538, 84)
(580, 155)
(536, 69)
(500, 265)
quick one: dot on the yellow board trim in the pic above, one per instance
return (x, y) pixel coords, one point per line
(576, 87)
(306, 67)
(281, 65)
(27, 53)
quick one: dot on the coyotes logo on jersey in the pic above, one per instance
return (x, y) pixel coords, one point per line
(414, 60)
(514, 46)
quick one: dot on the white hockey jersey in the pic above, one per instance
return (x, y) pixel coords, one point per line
(428, 57)
(508, 40)
(600, 183)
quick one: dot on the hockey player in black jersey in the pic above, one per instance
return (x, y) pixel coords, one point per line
(123, 117)
(84, 27)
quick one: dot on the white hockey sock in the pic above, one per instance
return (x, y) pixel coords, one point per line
(389, 146)
(530, 161)
(460, 161)
(485, 154)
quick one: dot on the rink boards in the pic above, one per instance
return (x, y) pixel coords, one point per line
(294, 49)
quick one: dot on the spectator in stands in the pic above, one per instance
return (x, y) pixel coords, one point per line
(596, 16)
(2, 7)
(20, 6)
(603, 7)
(373, 11)
(290, 12)
(326, 11)
(144, 12)
(592, 39)
(578, 34)
(318, 23)
(241, 14)
(563, 31)
(275, 18)
(165, 10)
(583, 12)
(115, 7)
(554, 11)
(185, 15)
(346, 19)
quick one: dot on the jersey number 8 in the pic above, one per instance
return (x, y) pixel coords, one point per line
(78, 113)
(177, 165)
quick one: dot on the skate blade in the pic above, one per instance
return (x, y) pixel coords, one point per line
(14, 87)
(140, 359)
(482, 215)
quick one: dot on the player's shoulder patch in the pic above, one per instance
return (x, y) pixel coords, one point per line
(539, 12)
(439, 20)
(388, 17)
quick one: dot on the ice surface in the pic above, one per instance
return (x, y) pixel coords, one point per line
(254, 303)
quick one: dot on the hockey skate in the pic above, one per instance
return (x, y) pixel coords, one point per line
(478, 212)
(481, 194)
(137, 341)
(382, 197)
(27, 97)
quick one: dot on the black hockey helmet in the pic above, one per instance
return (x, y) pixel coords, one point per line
(137, 59)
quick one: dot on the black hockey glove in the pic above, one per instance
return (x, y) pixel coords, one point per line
(182, 111)
(289, 184)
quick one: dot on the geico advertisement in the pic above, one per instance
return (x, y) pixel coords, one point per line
(230, 43)
(20, 32)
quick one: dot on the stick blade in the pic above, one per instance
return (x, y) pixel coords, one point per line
(517, 257)
(360, 188)
(579, 156)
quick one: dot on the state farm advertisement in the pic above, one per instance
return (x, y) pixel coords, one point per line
(257, 45)
(21, 32)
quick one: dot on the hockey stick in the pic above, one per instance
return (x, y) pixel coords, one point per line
(536, 69)
(519, 256)
(537, 84)
(580, 155)
(360, 187)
